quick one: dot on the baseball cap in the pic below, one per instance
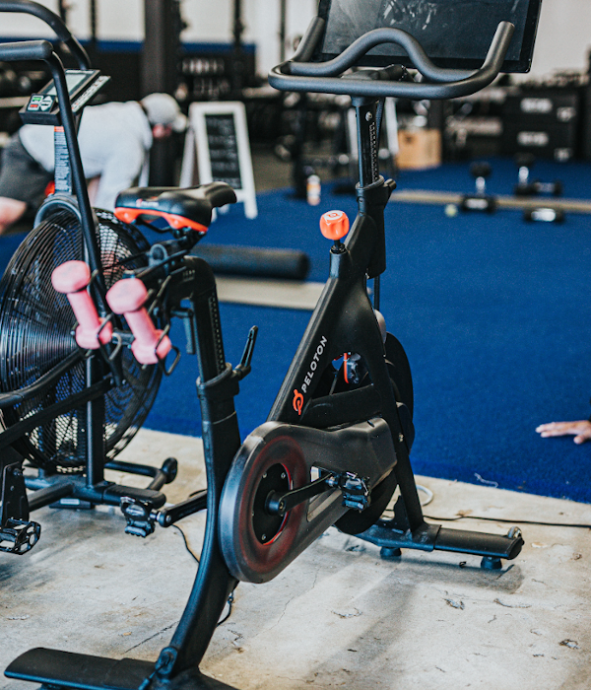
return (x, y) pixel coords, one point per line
(162, 109)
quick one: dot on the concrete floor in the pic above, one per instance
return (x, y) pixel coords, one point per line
(337, 617)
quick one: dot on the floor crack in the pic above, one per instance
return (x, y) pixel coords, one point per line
(139, 644)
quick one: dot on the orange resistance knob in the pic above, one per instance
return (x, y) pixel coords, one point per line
(334, 225)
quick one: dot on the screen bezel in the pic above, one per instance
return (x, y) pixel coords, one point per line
(523, 64)
(86, 77)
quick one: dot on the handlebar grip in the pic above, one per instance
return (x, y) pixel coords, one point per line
(128, 297)
(309, 41)
(325, 77)
(361, 46)
(53, 21)
(72, 279)
(25, 50)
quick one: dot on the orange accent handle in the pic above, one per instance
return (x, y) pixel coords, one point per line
(334, 225)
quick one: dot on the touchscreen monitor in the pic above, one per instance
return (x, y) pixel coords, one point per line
(74, 79)
(454, 33)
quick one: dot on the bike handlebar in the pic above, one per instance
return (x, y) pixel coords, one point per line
(53, 21)
(26, 50)
(298, 74)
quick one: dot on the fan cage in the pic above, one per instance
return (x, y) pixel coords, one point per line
(36, 334)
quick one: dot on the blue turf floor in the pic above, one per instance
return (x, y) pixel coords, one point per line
(493, 312)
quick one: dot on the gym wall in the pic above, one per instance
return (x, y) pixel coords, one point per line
(564, 36)
(563, 42)
(210, 21)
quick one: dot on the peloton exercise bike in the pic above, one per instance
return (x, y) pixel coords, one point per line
(336, 443)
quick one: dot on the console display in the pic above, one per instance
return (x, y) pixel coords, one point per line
(454, 33)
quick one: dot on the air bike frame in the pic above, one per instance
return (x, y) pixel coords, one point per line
(343, 321)
(18, 533)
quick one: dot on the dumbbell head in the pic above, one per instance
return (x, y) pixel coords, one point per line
(480, 169)
(525, 160)
(544, 215)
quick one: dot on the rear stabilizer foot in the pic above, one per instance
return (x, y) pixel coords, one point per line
(491, 563)
(390, 554)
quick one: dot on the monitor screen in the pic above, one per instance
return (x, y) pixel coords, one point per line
(74, 79)
(454, 33)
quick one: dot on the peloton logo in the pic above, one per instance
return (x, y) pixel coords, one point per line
(298, 401)
(298, 398)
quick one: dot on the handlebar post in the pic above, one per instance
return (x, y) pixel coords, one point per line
(367, 140)
(79, 183)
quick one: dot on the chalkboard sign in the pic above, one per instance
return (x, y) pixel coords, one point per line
(223, 149)
(218, 139)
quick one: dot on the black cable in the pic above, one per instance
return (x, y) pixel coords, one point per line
(512, 521)
(230, 598)
(230, 603)
(193, 556)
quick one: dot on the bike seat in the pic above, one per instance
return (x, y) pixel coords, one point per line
(181, 208)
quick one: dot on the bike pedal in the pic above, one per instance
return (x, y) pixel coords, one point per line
(138, 514)
(355, 489)
(20, 535)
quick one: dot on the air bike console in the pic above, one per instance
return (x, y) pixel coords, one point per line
(43, 108)
(337, 440)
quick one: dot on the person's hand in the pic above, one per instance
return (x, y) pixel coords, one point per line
(581, 430)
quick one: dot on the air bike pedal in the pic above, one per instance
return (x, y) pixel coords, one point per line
(18, 534)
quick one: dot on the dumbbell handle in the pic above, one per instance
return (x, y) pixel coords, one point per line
(128, 297)
(72, 279)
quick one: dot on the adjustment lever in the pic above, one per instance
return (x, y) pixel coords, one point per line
(243, 369)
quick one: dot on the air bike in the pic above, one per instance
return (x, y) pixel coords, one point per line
(336, 442)
(68, 410)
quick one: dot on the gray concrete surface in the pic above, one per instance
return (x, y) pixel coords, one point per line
(285, 294)
(337, 617)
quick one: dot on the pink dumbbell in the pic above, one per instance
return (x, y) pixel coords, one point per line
(72, 279)
(128, 297)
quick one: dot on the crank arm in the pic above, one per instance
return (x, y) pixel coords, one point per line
(280, 503)
(355, 492)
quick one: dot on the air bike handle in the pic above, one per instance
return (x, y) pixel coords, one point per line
(26, 50)
(298, 75)
(54, 22)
